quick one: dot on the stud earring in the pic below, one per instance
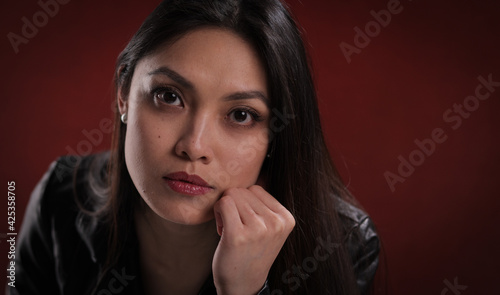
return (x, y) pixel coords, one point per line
(124, 118)
(268, 155)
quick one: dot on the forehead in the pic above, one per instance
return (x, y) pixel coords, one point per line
(212, 56)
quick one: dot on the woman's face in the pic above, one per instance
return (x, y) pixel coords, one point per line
(198, 113)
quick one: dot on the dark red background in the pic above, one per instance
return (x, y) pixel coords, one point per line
(439, 224)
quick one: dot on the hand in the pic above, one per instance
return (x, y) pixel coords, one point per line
(253, 227)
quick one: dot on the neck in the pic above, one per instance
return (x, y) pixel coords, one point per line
(171, 242)
(175, 258)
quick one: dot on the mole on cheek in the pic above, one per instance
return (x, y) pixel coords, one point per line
(158, 136)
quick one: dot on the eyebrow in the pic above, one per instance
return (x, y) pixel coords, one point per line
(187, 84)
(174, 76)
(248, 95)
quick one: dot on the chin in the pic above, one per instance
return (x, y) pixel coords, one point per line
(194, 219)
(185, 214)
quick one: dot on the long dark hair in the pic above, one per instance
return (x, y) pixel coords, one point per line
(299, 171)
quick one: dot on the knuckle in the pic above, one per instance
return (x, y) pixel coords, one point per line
(290, 220)
(225, 201)
(259, 232)
(231, 191)
(276, 224)
(279, 227)
(256, 188)
(251, 213)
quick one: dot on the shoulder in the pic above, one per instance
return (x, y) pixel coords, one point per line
(72, 192)
(58, 239)
(362, 241)
(70, 185)
(355, 220)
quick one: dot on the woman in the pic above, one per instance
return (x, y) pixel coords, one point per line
(218, 181)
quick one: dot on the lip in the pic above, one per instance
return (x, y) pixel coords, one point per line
(187, 184)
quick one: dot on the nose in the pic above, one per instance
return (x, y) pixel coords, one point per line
(195, 143)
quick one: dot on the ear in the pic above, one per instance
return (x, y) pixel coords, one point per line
(120, 97)
(122, 102)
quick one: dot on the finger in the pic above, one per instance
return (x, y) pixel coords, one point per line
(264, 197)
(219, 222)
(274, 206)
(226, 215)
(250, 208)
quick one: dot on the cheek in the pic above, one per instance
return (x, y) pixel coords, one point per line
(242, 159)
(150, 134)
(138, 140)
(146, 145)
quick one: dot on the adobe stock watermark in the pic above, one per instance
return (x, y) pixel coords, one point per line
(454, 117)
(31, 26)
(363, 36)
(117, 283)
(85, 147)
(454, 287)
(248, 150)
(298, 273)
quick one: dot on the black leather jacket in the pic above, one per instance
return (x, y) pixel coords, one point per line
(61, 249)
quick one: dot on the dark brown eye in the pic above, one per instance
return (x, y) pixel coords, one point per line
(241, 116)
(168, 96)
